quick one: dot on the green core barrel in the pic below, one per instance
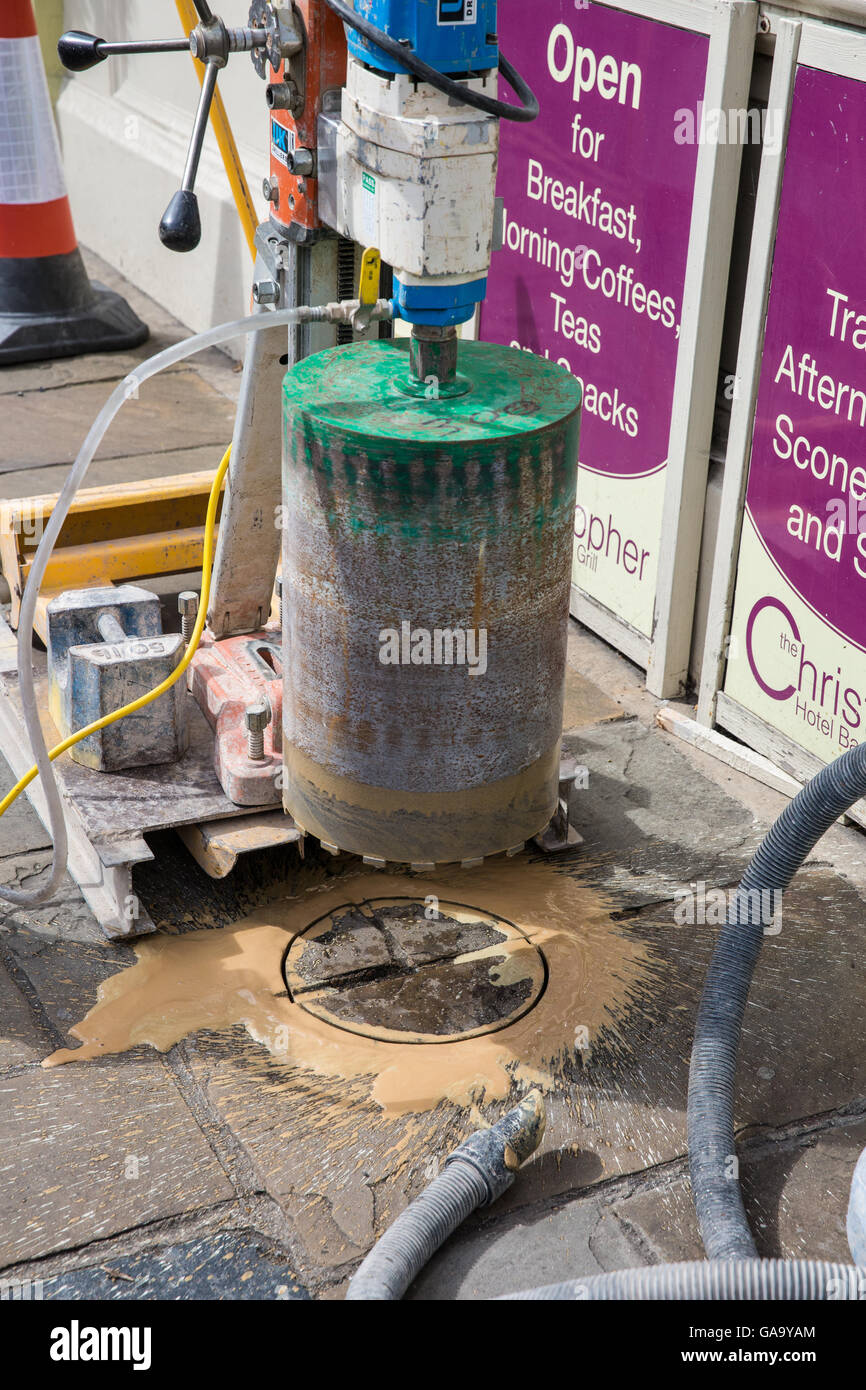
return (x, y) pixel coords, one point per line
(426, 568)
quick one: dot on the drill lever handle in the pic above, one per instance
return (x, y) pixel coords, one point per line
(180, 228)
(79, 51)
(211, 41)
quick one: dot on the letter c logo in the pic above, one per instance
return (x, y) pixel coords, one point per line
(759, 608)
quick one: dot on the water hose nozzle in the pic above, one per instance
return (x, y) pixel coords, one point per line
(496, 1153)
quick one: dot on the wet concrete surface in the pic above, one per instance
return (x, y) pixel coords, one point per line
(155, 1166)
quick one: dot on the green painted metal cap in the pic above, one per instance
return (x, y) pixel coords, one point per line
(360, 389)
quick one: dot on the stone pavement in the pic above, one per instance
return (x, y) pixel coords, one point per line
(215, 1170)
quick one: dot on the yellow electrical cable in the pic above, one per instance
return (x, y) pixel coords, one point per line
(206, 562)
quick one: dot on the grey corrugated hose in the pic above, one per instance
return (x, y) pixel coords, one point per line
(476, 1173)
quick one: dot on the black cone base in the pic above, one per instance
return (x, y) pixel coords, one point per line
(49, 308)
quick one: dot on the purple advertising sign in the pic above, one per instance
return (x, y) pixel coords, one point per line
(598, 197)
(799, 627)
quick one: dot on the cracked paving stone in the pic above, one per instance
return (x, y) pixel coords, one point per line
(412, 939)
(394, 968)
(354, 943)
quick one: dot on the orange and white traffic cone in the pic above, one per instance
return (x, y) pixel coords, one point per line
(48, 307)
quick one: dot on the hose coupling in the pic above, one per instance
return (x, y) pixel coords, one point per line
(496, 1153)
(344, 311)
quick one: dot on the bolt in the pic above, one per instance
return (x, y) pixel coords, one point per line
(187, 607)
(257, 717)
(110, 629)
(278, 588)
(282, 96)
(764, 24)
(266, 292)
(302, 161)
(271, 190)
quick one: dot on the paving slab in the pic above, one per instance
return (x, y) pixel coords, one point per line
(493, 1256)
(87, 1152)
(649, 820)
(65, 974)
(796, 1197)
(340, 1168)
(228, 1266)
(35, 379)
(586, 703)
(175, 409)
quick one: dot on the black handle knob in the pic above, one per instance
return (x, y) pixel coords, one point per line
(79, 51)
(180, 228)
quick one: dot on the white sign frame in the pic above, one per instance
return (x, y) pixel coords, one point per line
(731, 26)
(841, 51)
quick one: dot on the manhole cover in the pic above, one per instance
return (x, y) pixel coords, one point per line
(406, 971)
